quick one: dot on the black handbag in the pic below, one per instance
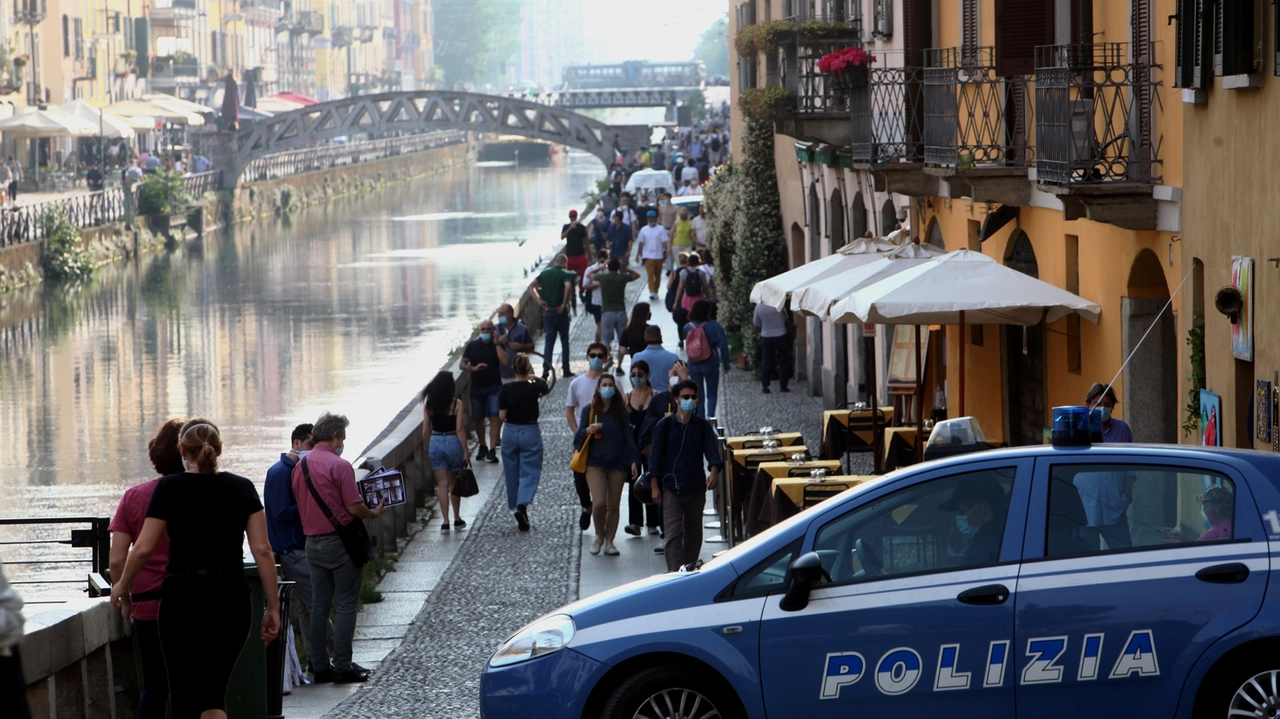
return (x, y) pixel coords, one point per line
(355, 538)
(465, 485)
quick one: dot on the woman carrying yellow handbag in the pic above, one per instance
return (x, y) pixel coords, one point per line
(606, 450)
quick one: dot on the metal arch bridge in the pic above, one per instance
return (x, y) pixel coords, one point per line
(426, 111)
(622, 97)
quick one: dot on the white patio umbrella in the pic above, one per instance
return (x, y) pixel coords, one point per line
(178, 103)
(817, 297)
(276, 105)
(649, 180)
(775, 290)
(960, 287)
(46, 123)
(112, 126)
(157, 110)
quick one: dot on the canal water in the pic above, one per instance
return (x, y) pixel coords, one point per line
(349, 307)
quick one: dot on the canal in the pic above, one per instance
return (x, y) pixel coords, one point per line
(349, 307)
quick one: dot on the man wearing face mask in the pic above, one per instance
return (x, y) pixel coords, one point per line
(482, 358)
(655, 355)
(284, 529)
(1106, 495)
(600, 230)
(980, 506)
(335, 578)
(514, 337)
(581, 390)
(682, 443)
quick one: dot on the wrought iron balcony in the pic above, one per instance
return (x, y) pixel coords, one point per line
(1097, 118)
(849, 11)
(888, 116)
(821, 101)
(973, 117)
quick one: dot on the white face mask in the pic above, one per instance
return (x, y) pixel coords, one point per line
(302, 453)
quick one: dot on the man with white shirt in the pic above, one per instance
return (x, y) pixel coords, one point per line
(653, 242)
(700, 227)
(689, 173)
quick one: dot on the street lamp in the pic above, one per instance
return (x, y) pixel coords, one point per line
(31, 13)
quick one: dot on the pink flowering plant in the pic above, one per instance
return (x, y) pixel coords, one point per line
(835, 63)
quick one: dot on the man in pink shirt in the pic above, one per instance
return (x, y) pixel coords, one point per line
(335, 579)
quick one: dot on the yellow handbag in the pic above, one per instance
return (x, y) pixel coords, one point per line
(579, 461)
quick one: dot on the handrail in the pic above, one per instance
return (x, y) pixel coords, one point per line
(96, 538)
(311, 159)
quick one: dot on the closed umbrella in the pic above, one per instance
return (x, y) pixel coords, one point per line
(960, 287)
(230, 104)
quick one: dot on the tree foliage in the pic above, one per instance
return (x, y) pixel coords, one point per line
(475, 39)
(713, 47)
(161, 194)
(63, 258)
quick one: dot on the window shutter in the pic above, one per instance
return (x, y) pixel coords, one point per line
(66, 36)
(1237, 36)
(1021, 27)
(917, 26)
(1218, 43)
(1185, 47)
(79, 27)
(969, 23)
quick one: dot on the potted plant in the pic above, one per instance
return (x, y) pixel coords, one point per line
(848, 67)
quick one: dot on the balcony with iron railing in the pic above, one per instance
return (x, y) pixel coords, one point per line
(849, 11)
(820, 107)
(888, 113)
(978, 125)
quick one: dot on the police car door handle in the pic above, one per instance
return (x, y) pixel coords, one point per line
(1233, 573)
(985, 596)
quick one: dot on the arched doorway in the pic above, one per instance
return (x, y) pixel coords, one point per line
(1151, 377)
(1024, 360)
(837, 377)
(858, 216)
(888, 217)
(815, 324)
(935, 235)
(802, 333)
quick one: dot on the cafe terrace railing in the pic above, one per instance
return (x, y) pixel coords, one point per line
(312, 159)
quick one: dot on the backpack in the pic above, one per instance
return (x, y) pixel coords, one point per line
(693, 282)
(714, 145)
(696, 345)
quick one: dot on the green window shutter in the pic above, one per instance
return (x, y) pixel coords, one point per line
(1184, 75)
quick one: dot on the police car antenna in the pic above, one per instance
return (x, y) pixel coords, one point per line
(1144, 335)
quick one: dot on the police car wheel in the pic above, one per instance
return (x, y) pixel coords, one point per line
(1258, 696)
(667, 693)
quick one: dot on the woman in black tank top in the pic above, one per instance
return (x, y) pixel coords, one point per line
(445, 433)
(638, 400)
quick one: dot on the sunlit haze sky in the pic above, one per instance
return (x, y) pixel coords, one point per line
(618, 30)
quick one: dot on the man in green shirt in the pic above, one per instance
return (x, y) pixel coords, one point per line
(613, 302)
(552, 288)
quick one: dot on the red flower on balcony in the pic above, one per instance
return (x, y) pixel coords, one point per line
(835, 63)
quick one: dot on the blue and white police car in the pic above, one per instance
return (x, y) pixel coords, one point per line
(1105, 580)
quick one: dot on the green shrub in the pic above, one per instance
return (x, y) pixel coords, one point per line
(63, 257)
(160, 194)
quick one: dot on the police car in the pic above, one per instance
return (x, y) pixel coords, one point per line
(1053, 581)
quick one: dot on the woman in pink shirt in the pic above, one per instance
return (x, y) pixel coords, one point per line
(1218, 510)
(125, 528)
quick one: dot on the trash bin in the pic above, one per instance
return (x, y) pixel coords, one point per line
(276, 655)
(247, 692)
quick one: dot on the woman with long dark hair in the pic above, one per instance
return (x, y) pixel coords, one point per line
(125, 528)
(205, 613)
(444, 429)
(704, 371)
(638, 400)
(521, 437)
(632, 341)
(611, 459)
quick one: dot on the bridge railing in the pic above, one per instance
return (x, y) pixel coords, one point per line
(311, 159)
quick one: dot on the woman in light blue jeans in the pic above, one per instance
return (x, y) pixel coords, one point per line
(521, 438)
(444, 429)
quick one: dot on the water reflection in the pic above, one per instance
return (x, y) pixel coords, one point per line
(349, 307)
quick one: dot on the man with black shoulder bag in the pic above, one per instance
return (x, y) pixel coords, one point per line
(331, 509)
(683, 464)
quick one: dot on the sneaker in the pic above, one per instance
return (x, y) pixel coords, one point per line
(653, 531)
(653, 295)
(491, 457)
(482, 452)
(324, 676)
(659, 550)
(459, 524)
(595, 546)
(767, 391)
(632, 529)
(610, 550)
(351, 676)
(786, 390)
(444, 528)
(584, 521)
(567, 374)
(522, 517)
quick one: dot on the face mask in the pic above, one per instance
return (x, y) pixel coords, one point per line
(962, 523)
(607, 392)
(338, 451)
(688, 405)
(485, 336)
(672, 382)
(638, 381)
(302, 453)
(595, 363)
(1106, 414)
(502, 320)
(663, 202)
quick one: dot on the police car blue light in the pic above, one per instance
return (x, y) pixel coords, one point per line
(1117, 580)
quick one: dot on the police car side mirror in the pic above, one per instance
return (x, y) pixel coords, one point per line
(806, 573)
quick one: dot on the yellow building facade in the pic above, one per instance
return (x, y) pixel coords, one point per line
(1047, 135)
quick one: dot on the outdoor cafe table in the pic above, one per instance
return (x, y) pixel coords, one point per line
(784, 439)
(900, 447)
(740, 457)
(835, 421)
(785, 498)
(761, 484)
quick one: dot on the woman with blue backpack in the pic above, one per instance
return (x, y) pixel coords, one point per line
(706, 346)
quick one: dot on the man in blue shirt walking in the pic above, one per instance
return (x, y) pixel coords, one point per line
(681, 443)
(284, 528)
(1106, 495)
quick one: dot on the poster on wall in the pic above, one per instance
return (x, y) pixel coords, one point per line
(1262, 419)
(1242, 330)
(1210, 419)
